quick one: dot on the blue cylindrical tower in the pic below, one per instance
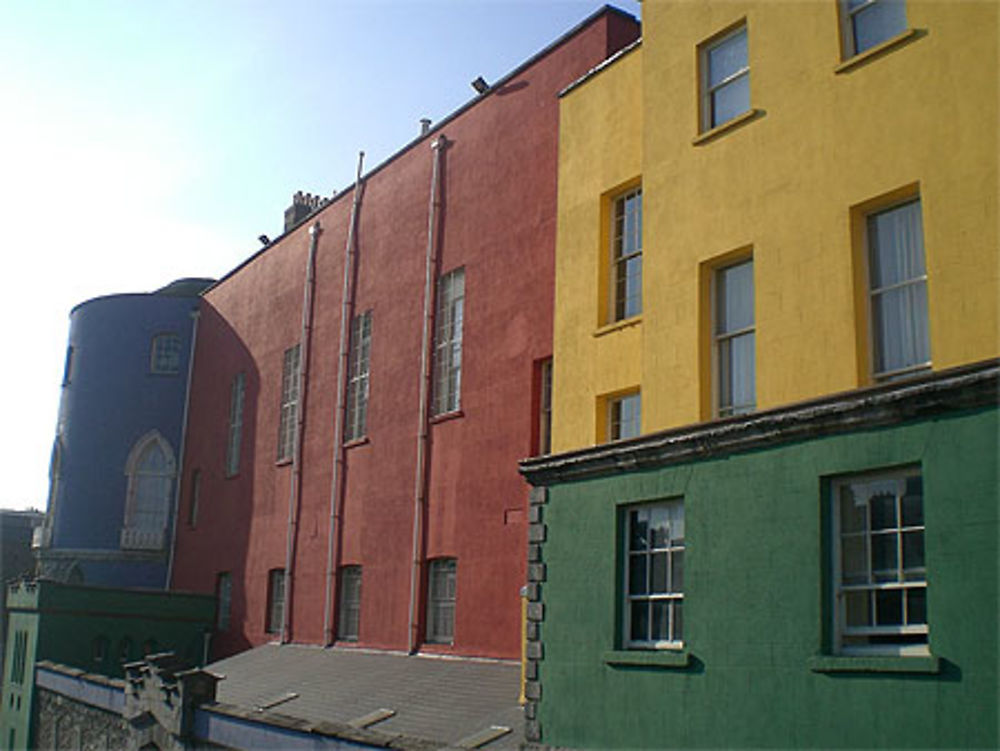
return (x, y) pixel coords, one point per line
(116, 455)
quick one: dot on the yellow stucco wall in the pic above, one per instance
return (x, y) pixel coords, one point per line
(920, 118)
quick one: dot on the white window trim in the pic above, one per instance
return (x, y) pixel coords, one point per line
(707, 90)
(616, 402)
(234, 443)
(839, 612)
(449, 567)
(628, 598)
(847, 30)
(448, 343)
(873, 339)
(617, 260)
(719, 338)
(359, 377)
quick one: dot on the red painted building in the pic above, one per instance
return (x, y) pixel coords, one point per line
(363, 488)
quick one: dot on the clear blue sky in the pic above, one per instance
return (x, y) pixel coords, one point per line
(146, 141)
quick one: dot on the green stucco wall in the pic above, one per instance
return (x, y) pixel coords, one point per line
(62, 622)
(756, 603)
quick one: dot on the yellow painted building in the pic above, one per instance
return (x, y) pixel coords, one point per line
(767, 202)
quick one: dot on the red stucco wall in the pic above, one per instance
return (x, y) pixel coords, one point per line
(498, 222)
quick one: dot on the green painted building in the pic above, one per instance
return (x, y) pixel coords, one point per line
(820, 575)
(93, 629)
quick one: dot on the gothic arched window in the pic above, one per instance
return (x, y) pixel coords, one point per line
(150, 470)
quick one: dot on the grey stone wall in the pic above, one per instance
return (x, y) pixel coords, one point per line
(62, 723)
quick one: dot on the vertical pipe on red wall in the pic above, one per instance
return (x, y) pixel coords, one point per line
(420, 475)
(195, 315)
(295, 483)
(336, 482)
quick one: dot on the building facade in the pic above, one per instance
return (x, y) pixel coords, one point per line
(774, 392)
(365, 385)
(95, 630)
(118, 439)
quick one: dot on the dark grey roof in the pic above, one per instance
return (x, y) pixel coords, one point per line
(444, 700)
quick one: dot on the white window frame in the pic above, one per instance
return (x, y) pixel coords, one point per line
(917, 281)
(448, 342)
(358, 373)
(619, 429)
(165, 354)
(288, 413)
(442, 589)
(275, 601)
(145, 528)
(636, 558)
(708, 91)
(224, 594)
(234, 439)
(625, 300)
(908, 582)
(349, 609)
(722, 340)
(849, 25)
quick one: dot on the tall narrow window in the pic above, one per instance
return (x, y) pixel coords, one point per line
(195, 501)
(224, 593)
(237, 393)
(68, 368)
(726, 79)
(349, 621)
(626, 256)
(898, 290)
(654, 575)
(441, 601)
(734, 340)
(150, 470)
(289, 403)
(881, 578)
(165, 354)
(624, 417)
(867, 23)
(448, 342)
(275, 600)
(545, 407)
(357, 386)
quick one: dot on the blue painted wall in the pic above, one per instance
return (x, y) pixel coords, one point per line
(110, 400)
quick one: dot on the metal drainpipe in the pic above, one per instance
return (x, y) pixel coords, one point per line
(295, 483)
(336, 484)
(195, 316)
(420, 476)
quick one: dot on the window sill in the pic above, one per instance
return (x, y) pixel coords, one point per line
(872, 52)
(886, 664)
(283, 462)
(446, 416)
(355, 442)
(625, 323)
(718, 130)
(648, 658)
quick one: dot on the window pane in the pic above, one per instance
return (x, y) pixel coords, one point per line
(678, 610)
(888, 607)
(734, 295)
(877, 22)
(916, 606)
(730, 100)
(727, 57)
(659, 526)
(913, 550)
(899, 321)
(640, 621)
(858, 608)
(854, 560)
(637, 575)
(661, 620)
(639, 529)
(913, 507)
(677, 571)
(884, 564)
(658, 573)
(853, 516)
(883, 512)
